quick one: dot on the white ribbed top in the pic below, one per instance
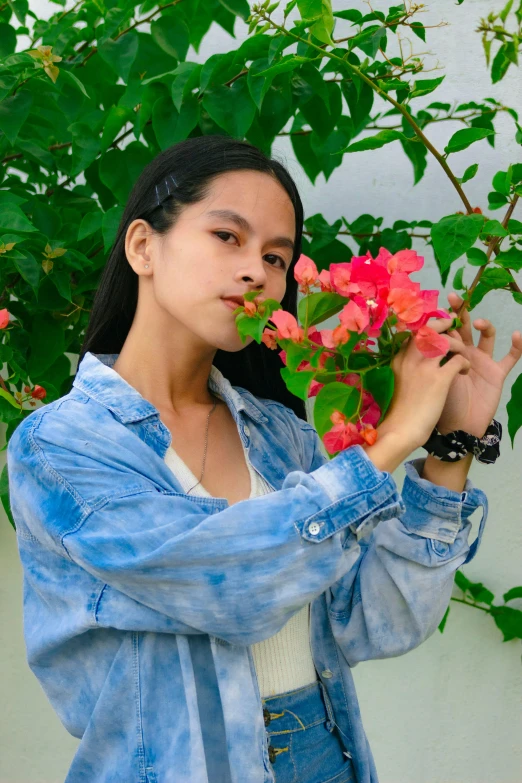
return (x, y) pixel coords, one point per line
(284, 661)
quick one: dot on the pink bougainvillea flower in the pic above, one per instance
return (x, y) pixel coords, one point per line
(355, 315)
(406, 304)
(404, 261)
(370, 411)
(368, 278)
(340, 275)
(431, 343)
(287, 327)
(325, 280)
(368, 433)
(341, 436)
(39, 393)
(250, 308)
(306, 274)
(269, 338)
(4, 318)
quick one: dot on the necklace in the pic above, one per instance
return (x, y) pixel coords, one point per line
(205, 451)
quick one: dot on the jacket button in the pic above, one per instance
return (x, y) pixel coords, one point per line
(327, 674)
(314, 528)
(266, 716)
(247, 429)
(271, 754)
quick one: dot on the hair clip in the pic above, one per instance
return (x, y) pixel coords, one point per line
(165, 189)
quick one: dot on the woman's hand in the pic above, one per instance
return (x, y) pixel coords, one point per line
(473, 398)
(421, 386)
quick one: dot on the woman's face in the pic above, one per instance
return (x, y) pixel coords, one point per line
(210, 254)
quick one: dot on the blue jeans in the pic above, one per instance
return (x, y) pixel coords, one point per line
(304, 746)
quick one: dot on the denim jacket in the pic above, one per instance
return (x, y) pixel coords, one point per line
(141, 602)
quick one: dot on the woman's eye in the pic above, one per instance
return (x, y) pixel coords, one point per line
(229, 234)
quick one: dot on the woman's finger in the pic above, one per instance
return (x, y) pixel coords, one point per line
(465, 330)
(515, 352)
(486, 341)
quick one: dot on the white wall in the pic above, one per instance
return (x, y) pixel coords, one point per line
(449, 712)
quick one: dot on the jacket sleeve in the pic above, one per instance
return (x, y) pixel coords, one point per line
(396, 593)
(238, 573)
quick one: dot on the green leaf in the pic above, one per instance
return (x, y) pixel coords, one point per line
(496, 200)
(515, 592)
(469, 173)
(117, 117)
(13, 219)
(352, 15)
(425, 86)
(514, 226)
(232, 108)
(298, 383)
(237, 7)
(458, 285)
(14, 111)
(333, 396)
(69, 76)
(476, 257)
(502, 181)
(510, 259)
(295, 354)
(91, 222)
(444, 619)
(509, 621)
(380, 383)
(453, 235)
(319, 12)
(500, 64)
(46, 343)
(120, 54)
(514, 409)
(172, 36)
(376, 141)
(465, 137)
(505, 11)
(320, 307)
(7, 39)
(110, 223)
(418, 155)
(85, 146)
(494, 228)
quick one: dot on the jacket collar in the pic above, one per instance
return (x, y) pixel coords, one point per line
(96, 377)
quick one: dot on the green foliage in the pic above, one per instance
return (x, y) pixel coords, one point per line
(94, 98)
(507, 619)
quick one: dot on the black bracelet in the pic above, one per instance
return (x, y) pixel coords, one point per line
(456, 445)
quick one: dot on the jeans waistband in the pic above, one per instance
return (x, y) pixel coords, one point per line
(296, 710)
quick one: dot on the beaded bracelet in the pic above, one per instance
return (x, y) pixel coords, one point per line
(456, 445)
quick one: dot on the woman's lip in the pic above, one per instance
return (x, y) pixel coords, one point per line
(231, 304)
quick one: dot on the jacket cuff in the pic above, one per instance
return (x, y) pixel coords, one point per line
(361, 495)
(434, 511)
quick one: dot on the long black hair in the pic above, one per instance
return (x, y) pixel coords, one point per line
(193, 162)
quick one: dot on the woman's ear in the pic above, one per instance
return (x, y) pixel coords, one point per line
(138, 246)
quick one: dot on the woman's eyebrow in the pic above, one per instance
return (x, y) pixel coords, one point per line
(242, 222)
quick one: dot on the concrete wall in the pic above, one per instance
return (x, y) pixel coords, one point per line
(449, 712)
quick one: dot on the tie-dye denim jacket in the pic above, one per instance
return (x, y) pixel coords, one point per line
(141, 602)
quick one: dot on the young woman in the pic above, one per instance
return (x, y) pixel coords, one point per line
(199, 578)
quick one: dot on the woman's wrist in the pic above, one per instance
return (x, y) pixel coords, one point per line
(390, 449)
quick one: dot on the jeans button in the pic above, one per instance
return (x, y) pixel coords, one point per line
(266, 716)
(327, 674)
(271, 754)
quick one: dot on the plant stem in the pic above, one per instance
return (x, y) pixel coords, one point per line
(475, 606)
